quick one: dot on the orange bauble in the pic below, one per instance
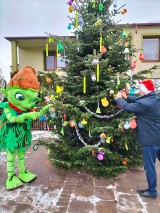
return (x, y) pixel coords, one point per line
(133, 124)
(103, 135)
(124, 162)
(73, 123)
(48, 80)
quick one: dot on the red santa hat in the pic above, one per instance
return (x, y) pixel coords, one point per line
(146, 86)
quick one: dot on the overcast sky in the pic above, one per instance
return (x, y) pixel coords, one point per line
(35, 17)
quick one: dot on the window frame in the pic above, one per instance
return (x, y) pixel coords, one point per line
(50, 53)
(151, 37)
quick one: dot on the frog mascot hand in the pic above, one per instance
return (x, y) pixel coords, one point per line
(15, 123)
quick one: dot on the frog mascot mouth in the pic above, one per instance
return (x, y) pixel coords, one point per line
(15, 123)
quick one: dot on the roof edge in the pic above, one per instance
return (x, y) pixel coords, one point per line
(32, 37)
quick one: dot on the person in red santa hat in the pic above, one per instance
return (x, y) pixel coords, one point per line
(146, 108)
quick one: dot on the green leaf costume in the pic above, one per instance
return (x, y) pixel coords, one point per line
(14, 135)
(15, 123)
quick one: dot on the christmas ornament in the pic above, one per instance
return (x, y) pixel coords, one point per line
(50, 40)
(141, 57)
(69, 26)
(132, 123)
(53, 113)
(60, 46)
(48, 80)
(118, 80)
(124, 162)
(64, 117)
(105, 102)
(93, 77)
(46, 49)
(42, 118)
(93, 153)
(126, 125)
(100, 8)
(84, 122)
(132, 91)
(126, 146)
(108, 139)
(80, 124)
(62, 131)
(84, 84)
(98, 23)
(59, 89)
(73, 123)
(100, 155)
(111, 92)
(70, 2)
(126, 52)
(124, 11)
(103, 135)
(133, 65)
(98, 110)
(100, 41)
(103, 49)
(97, 72)
(65, 123)
(124, 34)
(76, 20)
(70, 9)
(95, 61)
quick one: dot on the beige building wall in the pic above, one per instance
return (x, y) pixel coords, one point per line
(31, 57)
(137, 38)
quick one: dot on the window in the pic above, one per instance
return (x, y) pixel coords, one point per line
(60, 62)
(50, 61)
(151, 48)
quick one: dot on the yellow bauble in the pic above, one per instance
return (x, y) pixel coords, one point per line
(105, 102)
(84, 122)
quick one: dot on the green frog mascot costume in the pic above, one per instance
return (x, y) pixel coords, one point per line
(15, 123)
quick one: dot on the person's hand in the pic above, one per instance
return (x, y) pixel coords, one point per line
(119, 95)
(123, 94)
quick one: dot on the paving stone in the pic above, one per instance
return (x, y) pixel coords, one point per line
(55, 190)
(106, 207)
(80, 207)
(104, 193)
(84, 191)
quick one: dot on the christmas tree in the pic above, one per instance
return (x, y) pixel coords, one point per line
(95, 135)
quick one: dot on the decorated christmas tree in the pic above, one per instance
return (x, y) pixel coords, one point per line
(94, 134)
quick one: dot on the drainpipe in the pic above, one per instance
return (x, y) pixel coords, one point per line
(14, 57)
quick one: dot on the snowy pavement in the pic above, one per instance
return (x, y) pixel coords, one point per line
(56, 191)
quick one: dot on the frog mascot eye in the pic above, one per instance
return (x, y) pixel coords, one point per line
(15, 132)
(19, 96)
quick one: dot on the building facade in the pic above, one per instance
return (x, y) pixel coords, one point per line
(32, 50)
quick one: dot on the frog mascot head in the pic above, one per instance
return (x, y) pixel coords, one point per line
(15, 123)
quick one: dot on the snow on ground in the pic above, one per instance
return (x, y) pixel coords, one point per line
(41, 134)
